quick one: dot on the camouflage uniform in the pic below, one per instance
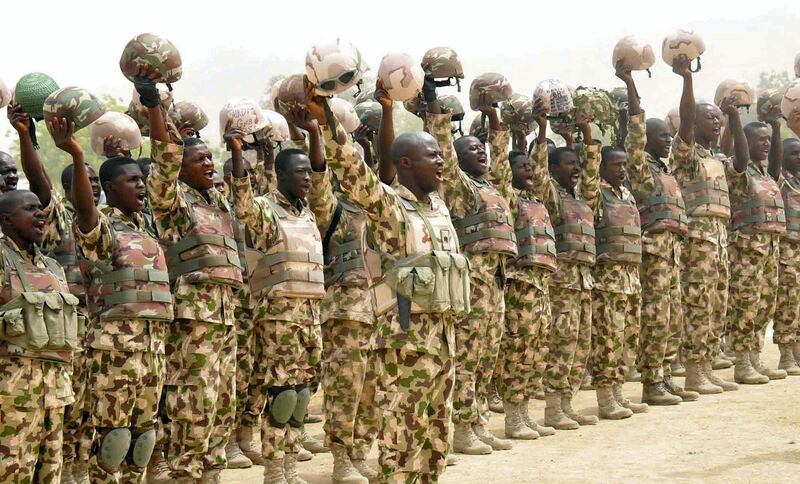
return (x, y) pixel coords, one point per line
(754, 237)
(33, 391)
(78, 431)
(787, 315)
(348, 380)
(570, 331)
(523, 348)
(479, 334)
(661, 311)
(287, 336)
(414, 364)
(201, 344)
(704, 256)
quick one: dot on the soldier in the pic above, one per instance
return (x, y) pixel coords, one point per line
(35, 354)
(757, 221)
(131, 305)
(195, 223)
(8, 169)
(704, 256)
(571, 202)
(287, 284)
(787, 315)
(59, 243)
(523, 182)
(486, 233)
(663, 224)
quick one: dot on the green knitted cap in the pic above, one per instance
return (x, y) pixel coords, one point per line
(32, 90)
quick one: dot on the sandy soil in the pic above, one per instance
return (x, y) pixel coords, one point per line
(750, 435)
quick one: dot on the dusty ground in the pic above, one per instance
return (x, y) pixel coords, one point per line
(751, 435)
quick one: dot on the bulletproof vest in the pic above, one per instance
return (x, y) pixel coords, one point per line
(434, 276)
(791, 198)
(575, 234)
(762, 210)
(352, 262)
(708, 195)
(662, 210)
(66, 254)
(535, 236)
(134, 283)
(490, 228)
(294, 266)
(619, 236)
(208, 252)
(38, 315)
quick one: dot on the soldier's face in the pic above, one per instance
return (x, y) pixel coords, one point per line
(27, 219)
(521, 173)
(615, 169)
(791, 156)
(197, 169)
(94, 181)
(127, 191)
(658, 138)
(759, 141)
(295, 181)
(472, 156)
(8, 171)
(707, 123)
(427, 165)
(219, 184)
(567, 171)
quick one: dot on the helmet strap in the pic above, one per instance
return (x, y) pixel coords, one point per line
(697, 69)
(458, 84)
(649, 74)
(331, 120)
(169, 86)
(358, 87)
(32, 133)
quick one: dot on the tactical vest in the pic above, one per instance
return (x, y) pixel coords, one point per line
(791, 199)
(66, 254)
(762, 210)
(491, 228)
(433, 276)
(134, 284)
(663, 210)
(575, 234)
(38, 315)
(708, 195)
(535, 236)
(208, 252)
(352, 263)
(619, 236)
(294, 266)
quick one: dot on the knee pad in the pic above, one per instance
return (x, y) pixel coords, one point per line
(282, 404)
(114, 446)
(303, 398)
(142, 449)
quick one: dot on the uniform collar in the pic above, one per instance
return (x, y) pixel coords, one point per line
(619, 192)
(136, 220)
(297, 207)
(37, 254)
(659, 162)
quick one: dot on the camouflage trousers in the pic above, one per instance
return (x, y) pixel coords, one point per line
(704, 283)
(661, 326)
(288, 355)
(569, 338)
(478, 338)
(753, 294)
(523, 349)
(348, 384)
(200, 396)
(249, 403)
(787, 314)
(124, 391)
(414, 393)
(78, 430)
(612, 313)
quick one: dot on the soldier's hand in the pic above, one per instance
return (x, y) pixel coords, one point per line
(112, 146)
(300, 117)
(382, 95)
(681, 65)
(540, 112)
(623, 73)
(19, 120)
(145, 85)
(314, 103)
(186, 130)
(362, 135)
(728, 106)
(233, 138)
(63, 133)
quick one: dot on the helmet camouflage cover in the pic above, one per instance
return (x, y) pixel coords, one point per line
(75, 104)
(518, 112)
(489, 89)
(453, 105)
(184, 112)
(769, 104)
(400, 76)
(596, 106)
(154, 51)
(442, 63)
(333, 68)
(370, 113)
(292, 91)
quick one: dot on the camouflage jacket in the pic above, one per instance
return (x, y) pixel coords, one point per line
(500, 176)
(341, 302)
(685, 162)
(208, 303)
(759, 242)
(640, 178)
(570, 274)
(129, 335)
(426, 333)
(460, 190)
(26, 382)
(258, 216)
(266, 182)
(789, 250)
(615, 277)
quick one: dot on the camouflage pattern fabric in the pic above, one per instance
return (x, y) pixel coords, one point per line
(125, 390)
(190, 114)
(154, 51)
(442, 62)
(31, 446)
(489, 89)
(787, 315)
(74, 104)
(249, 400)
(612, 313)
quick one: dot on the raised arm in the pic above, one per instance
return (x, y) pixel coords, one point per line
(775, 165)
(265, 168)
(740, 146)
(64, 137)
(636, 139)
(386, 167)
(538, 156)
(680, 66)
(38, 180)
(590, 180)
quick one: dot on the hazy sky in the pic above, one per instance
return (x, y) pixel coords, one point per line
(233, 53)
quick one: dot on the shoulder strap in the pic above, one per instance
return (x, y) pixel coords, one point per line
(337, 216)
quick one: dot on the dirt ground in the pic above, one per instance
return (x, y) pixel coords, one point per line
(750, 435)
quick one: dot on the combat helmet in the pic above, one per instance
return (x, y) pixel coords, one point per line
(74, 104)
(489, 89)
(517, 112)
(245, 114)
(401, 76)
(334, 67)
(768, 105)
(631, 55)
(555, 97)
(443, 64)
(683, 42)
(154, 51)
(5, 94)
(345, 114)
(743, 93)
(117, 125)
(187, 113)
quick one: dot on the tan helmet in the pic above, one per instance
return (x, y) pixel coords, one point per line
(790, 104)
(271, 92)
(245, 114)
(673, 121)
(278, 128)
(555, 95)
(363, 91)
(291, 91)
(139, 113)
(741, 91)
(333, 68)
(5, 94)
(117, 125)
(683, 42)
(154, 51)
(74, 104)
(768, 105)
(345, 114)
(517, 112)
(489, 89)
(443, 63)
(632, 55)
(401, 76)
